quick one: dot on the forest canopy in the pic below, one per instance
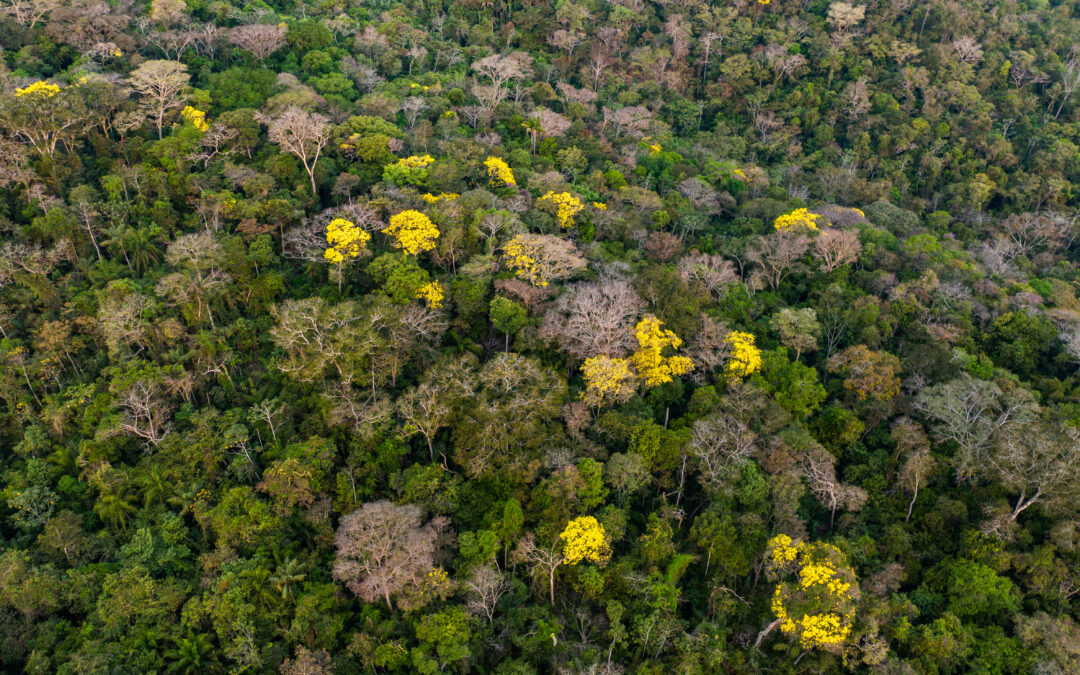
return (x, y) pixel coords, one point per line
(515, 337)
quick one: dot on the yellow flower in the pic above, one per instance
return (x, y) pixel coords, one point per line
(655, 148)
(345, 239)
(499, 173)
(584, 539)
(521, 257)
(566, 207)
(599, 206)
(432, 294)
(799, 220)
(40, 88)
(415, 161)
(431, 199)
(195, 118)
(745, 357)
(412, 231)
(606, 380)
(649, 362)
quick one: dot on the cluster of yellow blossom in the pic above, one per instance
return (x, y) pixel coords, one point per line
(799, 220)
(655, 148)
(781, 550)
(432, 293)
(412, 231)
(584, 539)
(40, 88)
(599, 206)
(745, 357)
(522, 258)
(606, 380)
(431, 199)
(566, 207)
(345, 240)
(499, 173)
(195, 118)
(649, 361)
(435, 581)
(415, 161)
(422, 87)
(824, 599)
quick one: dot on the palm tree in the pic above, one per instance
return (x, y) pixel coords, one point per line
(114, 239)
(533, 126)
(154, 486)
(114, 510)
(143, 251)
(286, 576)
(192, 655)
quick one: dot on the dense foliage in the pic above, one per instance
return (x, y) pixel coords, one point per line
(525, 337)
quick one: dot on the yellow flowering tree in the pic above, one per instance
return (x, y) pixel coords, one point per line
(39, 89)
(195, 118)
(540, 258)
(649, 360)
(432, 293)
(432, 199)
(607, 381)
(346, 242)
(499, 173)
(817, 604)
(408, 170)
(566, 207)
(745, 357)
(412, 231)
(799, 220)
(585, 539)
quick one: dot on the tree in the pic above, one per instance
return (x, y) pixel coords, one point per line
(383, 549)
(507, 316)
(500, 69)
(837, 248)
(201, 278)
(971, 412)
(649, 360)
(594, 319)
(485, 587)
(607, 381)
(869, 374)
(412, 231)
(29, 12)
(1038, 461)
(819, 610)
(777, 255)
(160, 85)
(542, 258)
(299, 133)
(798, 329)
(261, 40)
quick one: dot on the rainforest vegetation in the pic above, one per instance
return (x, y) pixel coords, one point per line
(513, 337)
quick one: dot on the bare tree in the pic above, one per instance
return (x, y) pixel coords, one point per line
(970, 412)
(1039, 461)
(777, 255)
(719, 444)
(144, 410)
(967, 49)
(837, 247)
(485, 587)
(540, 559)
(819, 467)
(28, 12)
(711, 272)
(302, 134)
(261, 40)
(500, 69)
(594, 318)
(383, 548)
(160, 85)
